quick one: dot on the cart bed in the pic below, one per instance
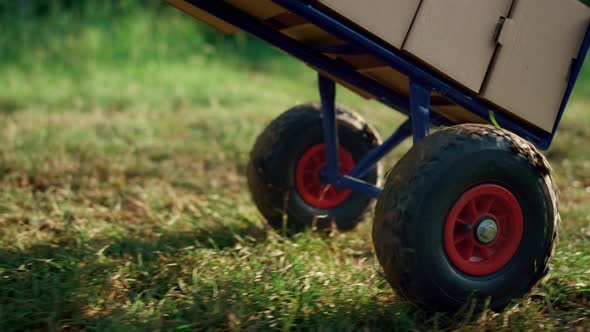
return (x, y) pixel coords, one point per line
(347, 54)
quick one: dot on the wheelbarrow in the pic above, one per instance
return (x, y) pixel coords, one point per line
(468, 216)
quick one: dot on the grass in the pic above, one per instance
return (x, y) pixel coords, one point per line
(123, 203)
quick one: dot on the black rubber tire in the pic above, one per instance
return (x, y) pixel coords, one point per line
(271, 170)
(422, 188)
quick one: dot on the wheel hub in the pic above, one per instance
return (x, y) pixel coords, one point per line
(486, 231)
(483, 230)
(308, 179)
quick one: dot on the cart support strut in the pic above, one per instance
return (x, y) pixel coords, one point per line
(327, 89)
(418, 126)
(420, 110)
(399, 135)
(352, 181)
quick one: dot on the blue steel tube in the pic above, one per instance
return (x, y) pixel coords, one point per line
(368, 162)
(327, 89)
(420, 109)
(357, 185)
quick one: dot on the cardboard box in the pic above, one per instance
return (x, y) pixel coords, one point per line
(531, 69)
(389, 20)
(457, 37)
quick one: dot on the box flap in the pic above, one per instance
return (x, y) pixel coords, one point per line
(531, 69)
(457, 37)
(507, 32)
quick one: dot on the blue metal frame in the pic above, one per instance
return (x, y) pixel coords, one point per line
(423, 83)
(327, 89)
(576, 69)
(420, 107)
(330, 174)
(399, 135)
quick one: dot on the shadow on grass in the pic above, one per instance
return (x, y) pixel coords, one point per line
(52, 287)
(75, 286)
(9, 106)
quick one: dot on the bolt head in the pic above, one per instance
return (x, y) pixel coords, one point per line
(486, 231)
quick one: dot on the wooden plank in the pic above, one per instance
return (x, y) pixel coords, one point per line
(352, 88)
(389, 77)
(289, 19)
(260, 9)
(311, 35)
(203, 16)
(457, 114)
(363, 61)
(393, 79)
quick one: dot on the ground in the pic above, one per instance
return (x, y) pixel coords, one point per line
(123, 206)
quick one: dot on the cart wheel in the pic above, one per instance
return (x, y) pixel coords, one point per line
(283, 173)
(469, 215)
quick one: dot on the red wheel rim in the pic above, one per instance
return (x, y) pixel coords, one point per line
(307, 177)
(469, 226)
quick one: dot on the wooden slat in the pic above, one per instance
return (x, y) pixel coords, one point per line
(353, 88)
(362, 61)
(389, 77)
(457, 114)
(289, 19)
(260, 9)
(203, 16)
(311, 35)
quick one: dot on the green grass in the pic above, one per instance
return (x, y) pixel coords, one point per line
(123, 203)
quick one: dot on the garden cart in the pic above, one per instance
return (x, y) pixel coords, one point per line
(468, 216)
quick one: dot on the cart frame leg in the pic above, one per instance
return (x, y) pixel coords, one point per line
(417, 126)
(420, 110)
(327, 89)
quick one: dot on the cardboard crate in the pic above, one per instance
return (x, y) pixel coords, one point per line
(389, 20)
(457, 37)
(530, 72)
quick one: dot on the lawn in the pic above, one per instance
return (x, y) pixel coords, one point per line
(123, 202)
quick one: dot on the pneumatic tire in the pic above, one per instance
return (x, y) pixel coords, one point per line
(284, 164)
(469, 216)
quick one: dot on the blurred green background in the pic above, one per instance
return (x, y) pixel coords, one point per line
(83, 53)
